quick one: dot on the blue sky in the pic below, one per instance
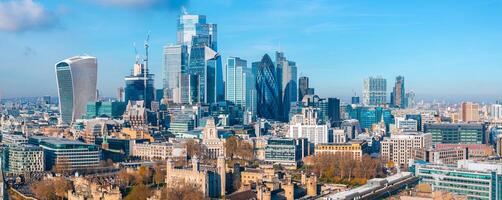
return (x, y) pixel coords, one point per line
(448, 49)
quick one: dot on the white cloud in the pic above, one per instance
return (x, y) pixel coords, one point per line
(21, 15)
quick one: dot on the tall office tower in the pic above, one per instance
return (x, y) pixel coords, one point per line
(398, 93)
(334, 112)
(375, 91)
(469, 112)
(76, 81)
(120, 94)
(175, 63)
(410, 99)
(139, 85)
(287, 75)
(190, 26)
(496, 111)
(267, 89)
(303, 86)
(47, 99)
(240, 84)
(355, 100)
(204, 62)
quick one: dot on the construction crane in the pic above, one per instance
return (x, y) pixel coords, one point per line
(145, 69)
(136, 52)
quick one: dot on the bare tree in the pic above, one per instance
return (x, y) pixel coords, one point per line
(182, 191)
(139, 192)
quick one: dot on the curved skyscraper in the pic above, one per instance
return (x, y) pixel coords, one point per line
(76, 80)
(267, 89)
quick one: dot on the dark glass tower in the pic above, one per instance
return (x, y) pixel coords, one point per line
(398, 96)
(334, 112)
(267, 89)
(303, 86)
(139, 86)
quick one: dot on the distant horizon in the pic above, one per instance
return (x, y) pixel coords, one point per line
(445, 50)
(344, 99)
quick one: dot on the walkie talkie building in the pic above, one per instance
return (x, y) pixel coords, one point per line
(77, 80)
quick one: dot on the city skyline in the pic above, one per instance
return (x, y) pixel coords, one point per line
(434, 65)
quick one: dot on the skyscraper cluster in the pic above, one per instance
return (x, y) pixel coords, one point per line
(375, 93)
(193, 67)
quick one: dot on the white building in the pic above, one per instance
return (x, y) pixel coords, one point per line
(398, 148)
(154, 151)
(314, 133)
(76, 80)
(496, 111)
(339, 136)
(406, 125)
(305, 125)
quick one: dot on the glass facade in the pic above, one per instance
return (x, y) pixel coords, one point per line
(140, 86)
(287, 79)
(175, 63)
(375, 91)
(77, 79)
(65, 87)
(456, 133)
(108, 109)
(474, 184)
(399, 93)
(240, 84)
(68, 154)
(267, 89)
(303, 86)
(367, 116)
(283, 151)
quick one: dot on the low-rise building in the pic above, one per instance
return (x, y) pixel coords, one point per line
(353, 148)
(448, 156)
(285, 151)
(25, 159)
(152, 151)
(11, 139)
(475, 151)
(67, 154)
(211, 182)
(476, 180)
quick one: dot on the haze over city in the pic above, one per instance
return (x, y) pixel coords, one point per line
(446, 49)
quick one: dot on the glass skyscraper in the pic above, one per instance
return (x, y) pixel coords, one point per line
(140, 85)
(240, 84)
(267, 89)
(205, 63)
(287, 77)
(190, 26)
(175, 63)
(76, 81)
(375, 91)
(202, 82)
(303, 86)
(399, 94)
